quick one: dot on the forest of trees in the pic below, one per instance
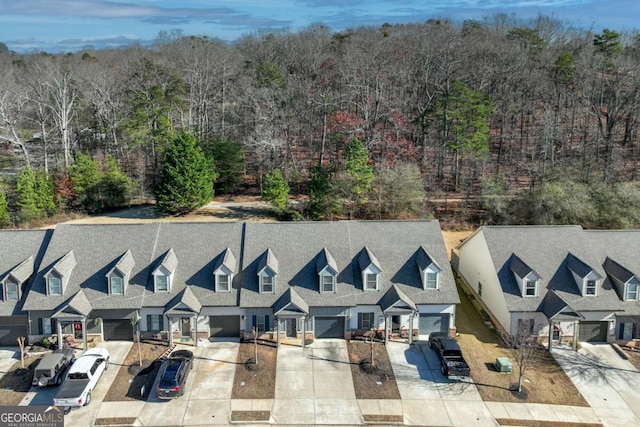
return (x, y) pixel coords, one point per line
(518, 122)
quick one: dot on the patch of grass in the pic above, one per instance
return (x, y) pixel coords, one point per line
(372, 381)
(132, 377)
(250, 415)
(255, 380)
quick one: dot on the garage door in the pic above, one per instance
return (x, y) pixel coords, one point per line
(329, 327)
(117, 330)
(224, 326)
(430, 323)
(10, 333)
(593, 331)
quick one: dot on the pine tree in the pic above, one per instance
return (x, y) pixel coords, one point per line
(86, 176)
(114, 185)
(185, 180)
(5, 218)
(26, 196)
(276, 190)
(45, 192)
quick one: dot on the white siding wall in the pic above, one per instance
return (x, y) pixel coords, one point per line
(221, 311)
(540, 322)
(476, 266)
(353, 321)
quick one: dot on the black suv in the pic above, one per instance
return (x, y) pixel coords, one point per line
(174, 375)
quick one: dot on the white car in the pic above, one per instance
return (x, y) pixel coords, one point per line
(82, 378)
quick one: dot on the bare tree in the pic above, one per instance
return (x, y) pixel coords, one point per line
(523, 349)
(13, 108)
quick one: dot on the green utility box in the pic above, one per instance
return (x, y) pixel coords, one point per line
(503, 364)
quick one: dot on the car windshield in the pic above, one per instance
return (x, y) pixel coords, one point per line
(78, 376)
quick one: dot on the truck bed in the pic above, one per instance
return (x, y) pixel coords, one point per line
(70, 392)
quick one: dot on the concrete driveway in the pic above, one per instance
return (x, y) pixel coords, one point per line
(430, 398)
(8, 357)
(118, 351)
(208, 388)
(314, 385)
(608, 383)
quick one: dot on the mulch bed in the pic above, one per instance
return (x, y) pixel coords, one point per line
(634, 357)
(250, 415)
(15, 384)
(132, 378)
(251, 380)
(536, 423)
(372, 381)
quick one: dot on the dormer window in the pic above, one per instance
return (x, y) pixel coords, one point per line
(162, 283)
(371, 281)
(55, 285)
(11, 291)
(116, 285)
(531, 288)
(267, 284)
(591, 288)
(632, 290)
(327, 283)
(429, 270)
(223, 282)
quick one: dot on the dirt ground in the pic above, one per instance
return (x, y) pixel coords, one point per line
(634, 358)
(131, 376)
(544, 380)
(372, 383)
(15, 384)
(255, 381)
(453, 239)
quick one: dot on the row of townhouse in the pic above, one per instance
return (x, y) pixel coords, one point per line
(562, 283)
(191, 281)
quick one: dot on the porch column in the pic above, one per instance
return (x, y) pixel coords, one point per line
(195, 339)
(410, 329)
(170, 322)
(59, 328)
(304, 330)
(549, 343)
(575, 336)
(84, 333)
(278, 332)
(386, 330)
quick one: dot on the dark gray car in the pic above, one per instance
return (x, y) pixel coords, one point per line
(174, 375)
(52, 367)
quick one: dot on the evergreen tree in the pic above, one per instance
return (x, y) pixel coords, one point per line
(275, 190)
(228, 156)
(185, 180)
(359, 174)
(321, 189)
(5, 218)
(45, 192)
(86, 176)
(115, 185)
(27, 203)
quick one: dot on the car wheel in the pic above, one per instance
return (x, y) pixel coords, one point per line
(88, 400)
(106, 364)
(443, 371)
(59, 380)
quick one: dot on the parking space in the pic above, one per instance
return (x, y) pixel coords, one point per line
(430, 398)
(608, 383)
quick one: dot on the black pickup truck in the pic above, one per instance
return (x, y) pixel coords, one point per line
(451, 360)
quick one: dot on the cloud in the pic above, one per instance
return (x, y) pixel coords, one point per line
(32, 44)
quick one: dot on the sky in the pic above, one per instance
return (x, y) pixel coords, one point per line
(74, 25)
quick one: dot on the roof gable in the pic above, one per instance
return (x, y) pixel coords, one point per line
(395, 298)
(185, 301)
(324, 260)
(225, 260)
(124, 265)
(290, 301)
(78, 304)
(22, 271)
(579, 267)
(268, 261)
(169, 262)
(424, 259)
(519, 267)
(367, 259)
(65, 265)
(617, 271)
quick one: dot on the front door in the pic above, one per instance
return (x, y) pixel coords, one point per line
(395, 324)
(186, 326)
(292, 327)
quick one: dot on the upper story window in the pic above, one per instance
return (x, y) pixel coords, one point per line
(55, 285)
(223, 282)
(117, 285)
(632, 291)
(531, 288)
(162, 283)
(431, 281)
(327, 283)
(267, 284)
(371, 281)
(12, 291)
(591, 287)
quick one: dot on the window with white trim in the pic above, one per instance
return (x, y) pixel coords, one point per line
(154, 322)
(12, 292)
(223, 283)
(632, 291)
(117, 285)
(432, 280)
(46, 326)
(267, 284)
(327, 283)
(162, 283)
(591, 287)
(371, 281)
(530, 288)
(365, 320)
(55, 285)
(261, 323)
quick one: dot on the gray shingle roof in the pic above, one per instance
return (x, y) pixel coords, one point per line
(65, 265)
(17, 246)
(126, 263)
(324, 260)
(268, 260)
(556, 308)
(617, 271)
(519, 267)
(395, 298)
(226, 260)
(78, 304)
(169, 261)
(547, 249)
(22, 271)
(290, 302)
(298, 244)
(183, 302)
(424, 260)
(578, 266)
(367, 258)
